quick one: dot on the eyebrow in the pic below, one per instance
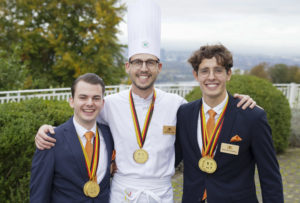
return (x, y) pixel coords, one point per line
(84, 95)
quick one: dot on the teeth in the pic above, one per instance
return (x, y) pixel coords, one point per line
(143, 77)
(89, 110)
(211, 85)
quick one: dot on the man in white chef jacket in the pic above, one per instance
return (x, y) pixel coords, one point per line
(145, 179)
(144, 137)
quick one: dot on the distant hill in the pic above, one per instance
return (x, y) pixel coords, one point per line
(177, 69)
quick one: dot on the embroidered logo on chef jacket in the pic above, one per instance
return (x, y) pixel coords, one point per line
(169, 130)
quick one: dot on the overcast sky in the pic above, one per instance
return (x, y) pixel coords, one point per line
(270, 27)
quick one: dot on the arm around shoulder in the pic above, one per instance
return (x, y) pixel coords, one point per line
(42, 171)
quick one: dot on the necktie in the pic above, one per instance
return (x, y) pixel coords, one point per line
(210, 122)
(89, 146)
(210, 125)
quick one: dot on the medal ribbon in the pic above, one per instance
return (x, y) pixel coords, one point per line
(91, 166)
(141, 137)
(209, 143)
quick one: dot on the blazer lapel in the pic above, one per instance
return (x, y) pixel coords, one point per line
(107, 143)
(229, 120)
(75, 148)
(194, 127)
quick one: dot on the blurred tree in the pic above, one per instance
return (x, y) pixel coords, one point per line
(260, 71)
(294, 74)
(12, 71)
(279, 73)
(61, 40)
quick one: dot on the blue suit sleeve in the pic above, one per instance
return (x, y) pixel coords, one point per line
(267, 164)
(178, 150)
(41, 176)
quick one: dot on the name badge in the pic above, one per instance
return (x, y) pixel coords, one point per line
(230, 148)
(170, 130)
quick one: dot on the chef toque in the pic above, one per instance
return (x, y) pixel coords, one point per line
(144, 28)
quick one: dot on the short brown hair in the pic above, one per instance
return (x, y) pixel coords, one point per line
(220, 52)
(90, 78)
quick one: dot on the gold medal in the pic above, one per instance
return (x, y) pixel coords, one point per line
(140, 156)
(207, 164)
(91, 189)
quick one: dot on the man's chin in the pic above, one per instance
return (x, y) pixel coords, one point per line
(144, 86)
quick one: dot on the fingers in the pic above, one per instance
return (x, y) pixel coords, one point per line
(42, 144)
(44, 129)
(42, 140)
(236, 95)
(243, 100)
(247, 104)
(113, 168)
(253, 105)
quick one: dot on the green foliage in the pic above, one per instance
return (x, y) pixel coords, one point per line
(278, 73)
(294, 74)
(260, 71)
(61, 40)
(268, 97)
(12, 71)
(19, 123)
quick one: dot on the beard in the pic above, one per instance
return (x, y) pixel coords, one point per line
(149, 86)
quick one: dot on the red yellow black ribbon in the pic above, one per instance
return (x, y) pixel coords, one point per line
(141, 136)
(91, 166)
(209, 143)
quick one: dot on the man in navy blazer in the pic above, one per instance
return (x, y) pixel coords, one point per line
(243, 141)
(61, 173)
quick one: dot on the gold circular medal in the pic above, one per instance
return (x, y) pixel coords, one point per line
(140, 156)
(207, 164)
(91, 189)
(201, 165)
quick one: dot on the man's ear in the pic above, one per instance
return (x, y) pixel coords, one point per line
(195, 74)
(127, 67)
(71, 102)
(159, 66)
(229, 73)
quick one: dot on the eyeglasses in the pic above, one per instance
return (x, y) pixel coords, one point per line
(204, 72)
(138, 63)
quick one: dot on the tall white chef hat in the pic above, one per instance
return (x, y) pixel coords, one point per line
(144, 22)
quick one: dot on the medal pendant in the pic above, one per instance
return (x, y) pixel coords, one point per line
(207, 164)
(91, 189)
(140, 156)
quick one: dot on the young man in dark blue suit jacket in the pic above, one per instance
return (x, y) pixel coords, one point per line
(243, 139)
(61, 173)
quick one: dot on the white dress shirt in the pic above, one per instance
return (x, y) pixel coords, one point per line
(218, 109)
(102, 164)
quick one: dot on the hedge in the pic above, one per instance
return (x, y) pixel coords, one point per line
(19, 123)
(268, 97)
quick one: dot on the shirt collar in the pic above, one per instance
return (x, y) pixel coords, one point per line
(81, 130)
(218, 109)
(139, 99)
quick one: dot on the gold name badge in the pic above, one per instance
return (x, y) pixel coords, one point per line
(230, 148)
(170, 130)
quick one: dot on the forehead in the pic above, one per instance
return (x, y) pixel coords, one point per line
(212, 62)
(83, 87)
(143, 57)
